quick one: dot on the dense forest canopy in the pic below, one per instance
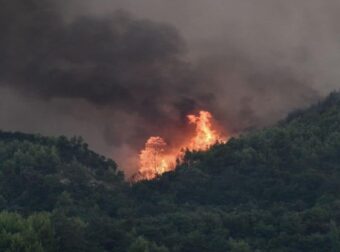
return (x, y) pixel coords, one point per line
(276, 189)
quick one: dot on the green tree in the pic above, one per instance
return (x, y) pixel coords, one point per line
(239, 246)
(334, 237)
(34, 234)
(140, 245)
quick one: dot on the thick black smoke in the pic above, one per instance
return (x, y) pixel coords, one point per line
(129, 77)
(130, 64)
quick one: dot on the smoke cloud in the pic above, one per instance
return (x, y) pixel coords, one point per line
(117, 72)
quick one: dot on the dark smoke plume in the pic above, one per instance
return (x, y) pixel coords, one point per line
(127, 78)
(118, 60)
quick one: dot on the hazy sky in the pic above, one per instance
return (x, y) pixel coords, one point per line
(296, 33)
(117, 77)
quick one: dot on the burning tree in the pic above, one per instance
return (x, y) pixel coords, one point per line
(152, 159)
(156, 158)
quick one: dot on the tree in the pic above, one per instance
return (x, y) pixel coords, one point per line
(239, 246)
(139, 245)
(334, 237)
(34, 234)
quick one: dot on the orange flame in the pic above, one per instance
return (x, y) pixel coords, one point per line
(156, 158)
(205, 136)
(153, 160)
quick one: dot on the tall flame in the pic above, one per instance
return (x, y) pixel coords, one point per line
(156, 158)
(205, 134)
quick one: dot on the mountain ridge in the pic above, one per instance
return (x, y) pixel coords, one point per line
(275, 189)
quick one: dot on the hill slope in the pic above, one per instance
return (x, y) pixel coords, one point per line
(74, 187)
(277, 189)
(273, 190)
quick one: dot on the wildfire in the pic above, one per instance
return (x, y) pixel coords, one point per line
(157, 158)
(205, 134)
(153, 159)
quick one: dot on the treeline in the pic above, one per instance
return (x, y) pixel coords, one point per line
(274, 190)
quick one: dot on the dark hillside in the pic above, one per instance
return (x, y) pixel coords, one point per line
(75, 188)
(276, 189)
(36, 172)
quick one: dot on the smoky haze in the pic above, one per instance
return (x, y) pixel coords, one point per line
(117, 72)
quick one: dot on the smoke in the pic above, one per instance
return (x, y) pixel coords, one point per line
(117, 72)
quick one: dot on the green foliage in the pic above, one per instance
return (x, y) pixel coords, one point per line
(239, 246)
(334, 237)
(60, 176)
(33, 234)
(35, 172)
(142, 245)
(139, 245)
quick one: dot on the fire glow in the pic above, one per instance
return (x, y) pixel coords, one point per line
(157, 157)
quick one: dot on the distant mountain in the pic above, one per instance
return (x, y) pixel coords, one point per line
(274, 190)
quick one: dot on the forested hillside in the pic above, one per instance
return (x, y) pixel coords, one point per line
(277, 189)
(61, 189)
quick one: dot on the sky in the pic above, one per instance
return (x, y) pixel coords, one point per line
(117, 72)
